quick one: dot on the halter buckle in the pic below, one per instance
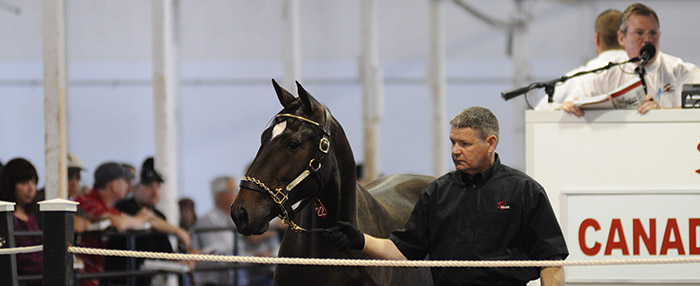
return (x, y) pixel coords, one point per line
(324, 145)
(314, 168)
(279, 196)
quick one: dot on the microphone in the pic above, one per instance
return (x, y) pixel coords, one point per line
(647, 52)
(506, 95)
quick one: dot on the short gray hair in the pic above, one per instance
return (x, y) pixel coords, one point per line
(477, 118)
(219, 184)
(637, 9)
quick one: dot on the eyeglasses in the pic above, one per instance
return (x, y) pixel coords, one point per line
(641, 34)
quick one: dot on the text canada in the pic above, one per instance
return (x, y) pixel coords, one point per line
(645, 235)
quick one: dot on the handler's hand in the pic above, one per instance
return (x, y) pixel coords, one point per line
(345, 235)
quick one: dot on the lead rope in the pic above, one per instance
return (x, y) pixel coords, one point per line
(363, 271)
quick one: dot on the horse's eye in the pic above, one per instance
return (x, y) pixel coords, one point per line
(293, 145)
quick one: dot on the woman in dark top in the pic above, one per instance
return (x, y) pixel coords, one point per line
(18, 184)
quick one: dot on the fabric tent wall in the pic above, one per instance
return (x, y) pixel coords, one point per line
(231, 49)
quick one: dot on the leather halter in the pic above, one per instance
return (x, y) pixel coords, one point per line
(281, 196)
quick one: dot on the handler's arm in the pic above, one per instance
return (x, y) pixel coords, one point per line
(552, 276)
(381, 248)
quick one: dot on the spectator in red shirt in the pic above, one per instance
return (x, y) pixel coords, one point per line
(111, 185)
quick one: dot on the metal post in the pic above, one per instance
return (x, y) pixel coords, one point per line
(235, 252)
(8, 263)
(57, 237)
(372, 93)
(131, 261)
(438, 83)
(55, 87)
(165, 102)
(292, 47)
(522, 76)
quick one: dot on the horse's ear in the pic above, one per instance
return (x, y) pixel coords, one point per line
(283, 95)
(306, 98)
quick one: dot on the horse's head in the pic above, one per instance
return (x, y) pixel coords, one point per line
(293, 164)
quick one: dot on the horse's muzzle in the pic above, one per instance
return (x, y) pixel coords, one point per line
(245, 224)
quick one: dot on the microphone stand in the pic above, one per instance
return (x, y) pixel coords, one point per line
(641, 71)
(549, 85)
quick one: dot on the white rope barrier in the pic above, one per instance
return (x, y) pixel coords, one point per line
(376, 262)
(23, 249)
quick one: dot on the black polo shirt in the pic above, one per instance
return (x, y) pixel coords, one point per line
(498, 214)
(152, 240)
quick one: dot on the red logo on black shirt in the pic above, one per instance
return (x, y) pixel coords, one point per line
(502, 205)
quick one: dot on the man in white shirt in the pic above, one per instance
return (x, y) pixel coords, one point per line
(220, 242)
(665, 74)
(608, 50)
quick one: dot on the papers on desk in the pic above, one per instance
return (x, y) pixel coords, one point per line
(627, 96)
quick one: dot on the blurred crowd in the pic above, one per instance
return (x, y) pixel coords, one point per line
(120, 208)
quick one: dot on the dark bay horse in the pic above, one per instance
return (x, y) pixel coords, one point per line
(304, 172)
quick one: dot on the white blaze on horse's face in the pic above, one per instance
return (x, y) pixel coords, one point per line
(278, 129)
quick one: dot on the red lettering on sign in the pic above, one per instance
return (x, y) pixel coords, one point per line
(672, 226)
(616, 227)
(698, 170)
(590, 251)
(693, 247)
(672, 238)
(649, 239)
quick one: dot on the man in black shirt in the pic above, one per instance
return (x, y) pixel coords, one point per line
(484, 210)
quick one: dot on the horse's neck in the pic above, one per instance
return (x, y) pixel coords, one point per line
(338, 197)
(346, 187)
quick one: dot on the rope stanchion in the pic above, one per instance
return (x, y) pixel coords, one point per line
(23, 249)
(377, 262)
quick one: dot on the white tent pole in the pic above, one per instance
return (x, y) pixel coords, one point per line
(372, 92)
(292, 45)
(522, 76)
(54, 46)
(165, 90)
(438, 83)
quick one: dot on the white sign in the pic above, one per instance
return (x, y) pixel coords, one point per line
(632, 224)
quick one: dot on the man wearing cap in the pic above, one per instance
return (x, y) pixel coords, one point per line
(146, 195)
(74, 176)
(98, 204)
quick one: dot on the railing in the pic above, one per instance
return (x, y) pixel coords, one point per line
(58, 253)
(60, 224)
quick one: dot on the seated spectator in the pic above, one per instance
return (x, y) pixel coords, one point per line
(74, 188)
(222, 242)
(132, 184)
(188, 216)
(146, 196)
(18, 184)
(110, 186)
(75, 167)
